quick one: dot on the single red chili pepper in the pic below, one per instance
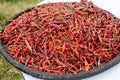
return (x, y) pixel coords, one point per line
(63, 46)
(27, 60)
(28, 45)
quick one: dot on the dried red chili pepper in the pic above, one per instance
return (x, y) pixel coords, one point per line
(63, 38)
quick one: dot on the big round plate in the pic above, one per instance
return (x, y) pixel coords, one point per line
(52, 76)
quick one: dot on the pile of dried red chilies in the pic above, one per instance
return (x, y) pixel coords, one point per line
(63, 38)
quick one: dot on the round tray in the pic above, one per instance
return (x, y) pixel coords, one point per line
(52, 76)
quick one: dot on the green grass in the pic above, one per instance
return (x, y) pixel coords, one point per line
(7, 9)
(8, 72)
(10, 7)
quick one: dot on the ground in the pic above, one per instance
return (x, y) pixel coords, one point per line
(7, 9)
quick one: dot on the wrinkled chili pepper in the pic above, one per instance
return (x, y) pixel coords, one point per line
(62, 38)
